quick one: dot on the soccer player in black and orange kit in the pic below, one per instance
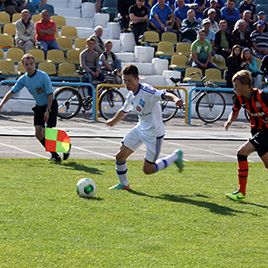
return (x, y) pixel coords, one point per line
(255, 101)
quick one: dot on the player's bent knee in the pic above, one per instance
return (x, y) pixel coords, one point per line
(120, 157)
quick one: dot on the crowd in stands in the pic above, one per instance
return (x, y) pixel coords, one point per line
(213, 28)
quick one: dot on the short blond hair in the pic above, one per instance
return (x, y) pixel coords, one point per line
(244, 77)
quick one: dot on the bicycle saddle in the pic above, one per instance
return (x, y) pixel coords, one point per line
(174, 80)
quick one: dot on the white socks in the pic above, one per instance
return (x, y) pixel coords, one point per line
(121, 170)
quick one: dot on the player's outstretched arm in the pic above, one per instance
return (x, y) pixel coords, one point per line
(174, 98)
(117, 117)
(6, 98)
(231, 118)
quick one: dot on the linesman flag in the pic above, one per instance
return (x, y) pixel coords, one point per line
(57, 140)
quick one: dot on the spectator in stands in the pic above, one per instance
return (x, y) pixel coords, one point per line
(214, 26)
(189, 27)
(223, 40)
(210, 35)
(180, 13)
(248, 5)
(230, 14)
(161, 17)
(233, 64)
(201, 50)
(44, 5)
(261, 16)
(214, 5)
(99, 44)
(240, 35)
(89, 61)
(45, 31)
(247, 18)
(201, 6)
(249, 63)
(12, 6)
(109, 61)
(25, 33)
(138, 14)
(123, 8)
(259, 40)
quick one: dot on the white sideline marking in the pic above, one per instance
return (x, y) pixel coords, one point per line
(22, 150)
(93, 152)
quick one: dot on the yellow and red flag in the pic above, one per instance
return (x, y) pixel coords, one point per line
(57, 140)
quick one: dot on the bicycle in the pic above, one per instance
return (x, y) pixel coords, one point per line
(72, 99)
(210, 105)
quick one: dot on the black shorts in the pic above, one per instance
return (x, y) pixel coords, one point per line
(260, 141)
(39, 115)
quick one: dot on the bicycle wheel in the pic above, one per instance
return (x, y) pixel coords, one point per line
(69, 102)
(210, 106)
(111, 100)
(169, 109)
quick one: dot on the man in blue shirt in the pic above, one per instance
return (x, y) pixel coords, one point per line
(39, 85)
(180, 12)
(161, 17)
(230, 14)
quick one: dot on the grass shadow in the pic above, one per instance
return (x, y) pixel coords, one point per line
(189, 199)
(254, 204)
(76, 166)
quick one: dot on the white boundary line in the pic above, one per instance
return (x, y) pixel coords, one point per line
(22, 150)
(93, 152)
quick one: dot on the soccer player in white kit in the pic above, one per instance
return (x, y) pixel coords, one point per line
(150, 130)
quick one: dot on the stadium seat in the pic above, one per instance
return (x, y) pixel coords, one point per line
(170, 37)
(1, 54)
(80, 43)
(183, 48)
(197, 77)
(72, 56)
(48, 67)
(38, 54)
(20, 68)
(16, 16)
(4, 18)
(7, 67)
(59, 20)
(56, 56)
(214, 75)
(178, 62)
(110, 7)
(219, 61)
(6, 41)
(65, 43)
(165, 50)
(9, 29)
(15, 54)
(36, 17)
(150, 38)
(67, 69)
(69, 31)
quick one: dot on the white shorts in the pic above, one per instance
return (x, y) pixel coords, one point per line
(153, 144)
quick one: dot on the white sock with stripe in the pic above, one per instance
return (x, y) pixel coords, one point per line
(121, 170)
(165, 161)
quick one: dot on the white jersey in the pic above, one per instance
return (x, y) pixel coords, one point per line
(146, 104)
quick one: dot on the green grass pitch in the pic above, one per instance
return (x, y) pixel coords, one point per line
(170, 219)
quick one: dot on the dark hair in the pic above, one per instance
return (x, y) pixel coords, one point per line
(27, 57)
(233, 49)
(244, 77)
(131, 69)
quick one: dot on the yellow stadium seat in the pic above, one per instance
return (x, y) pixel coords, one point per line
(165, 50)
(48, 67)
(9, 29)
(170, 37)
(21, 69)
(219, 61)
(7, 67)
(214, 75)
(16, 16)
(15, 54)
(67, 69)
(56, 56)
(150, 38)
(178, 62)
(59, 20)
(6, 41)
(259, 62)
(36, 17)
(69, 31)
(72, 56)
(193, 75)
(80, 43)
(4, 18)
(183, 48)
(65, 43)
(38, 54)
(1, 54)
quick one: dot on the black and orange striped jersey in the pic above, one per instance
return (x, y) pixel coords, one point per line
(256, 106)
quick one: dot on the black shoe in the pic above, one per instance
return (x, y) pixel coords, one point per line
(55, 159)
(66, 155)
